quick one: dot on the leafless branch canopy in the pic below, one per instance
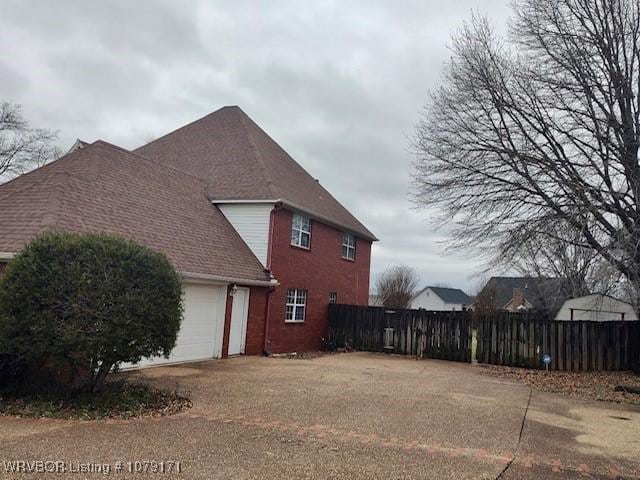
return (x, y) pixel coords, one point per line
(396, 286)
(22, 147)
(535, 137)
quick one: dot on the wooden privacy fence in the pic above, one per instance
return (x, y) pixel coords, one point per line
(521, 340)
(443, 335)
(502, 338)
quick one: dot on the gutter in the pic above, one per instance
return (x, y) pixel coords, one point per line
(235, 202)
(265, 345)
(328, 221)
(205, 278)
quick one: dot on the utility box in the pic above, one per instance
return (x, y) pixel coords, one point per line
(388, 339)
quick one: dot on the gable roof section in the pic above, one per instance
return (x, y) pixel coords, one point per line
(239, 161)
(451, 295)
(104, 188)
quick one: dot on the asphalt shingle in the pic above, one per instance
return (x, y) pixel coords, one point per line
(239, 161)
(104, 188)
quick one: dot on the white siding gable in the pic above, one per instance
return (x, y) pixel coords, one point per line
(596, 308)
(429, 300)
(251, 221)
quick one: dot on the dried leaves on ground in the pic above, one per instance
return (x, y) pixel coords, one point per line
(116, 400)
(588, 385)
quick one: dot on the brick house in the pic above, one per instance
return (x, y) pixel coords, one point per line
(263, 248)
(515, 294)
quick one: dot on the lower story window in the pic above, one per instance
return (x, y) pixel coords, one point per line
(333, 297)
(296, 304)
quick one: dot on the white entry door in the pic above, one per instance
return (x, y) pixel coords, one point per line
(239, 314)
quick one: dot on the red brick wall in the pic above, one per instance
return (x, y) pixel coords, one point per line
(255, 322)
(320, 270)
(254, 344)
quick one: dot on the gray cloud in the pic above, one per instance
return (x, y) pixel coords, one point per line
(340, 85)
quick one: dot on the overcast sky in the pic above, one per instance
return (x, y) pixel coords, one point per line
(339, 85)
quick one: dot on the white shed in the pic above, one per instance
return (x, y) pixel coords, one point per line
(596, 308)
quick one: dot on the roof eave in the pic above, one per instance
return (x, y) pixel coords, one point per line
(362, 234)
(203, 277)
(207, 278)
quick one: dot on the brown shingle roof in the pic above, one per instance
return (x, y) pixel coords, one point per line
(104, 188)
(239, 161)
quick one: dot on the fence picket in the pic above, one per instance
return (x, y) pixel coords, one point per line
(503, 338)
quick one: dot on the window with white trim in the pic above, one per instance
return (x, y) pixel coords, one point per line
(333, 297)
(301, 231)
(296, 305)
(348, 246)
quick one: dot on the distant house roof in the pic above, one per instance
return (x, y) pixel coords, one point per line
(449, 295)
(78, 144)
(104, 188)
(239, 162)
(546, 294)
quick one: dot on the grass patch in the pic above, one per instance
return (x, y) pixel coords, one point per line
(117, 399)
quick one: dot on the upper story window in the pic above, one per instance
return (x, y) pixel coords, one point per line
(348, 246)
(333, 297)
(301, 231)
(296, 305)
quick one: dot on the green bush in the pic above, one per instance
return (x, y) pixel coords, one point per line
(84, 303)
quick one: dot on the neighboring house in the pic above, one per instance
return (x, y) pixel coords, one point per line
(441, 298)
(523, 293)
(262, 246)
(596, 307)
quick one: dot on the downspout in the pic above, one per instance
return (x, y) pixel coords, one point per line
(265, 349)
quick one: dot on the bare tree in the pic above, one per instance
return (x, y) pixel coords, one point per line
(538, 133)
(583, 269)
(22, 148)
(396, 286)
(485, 301)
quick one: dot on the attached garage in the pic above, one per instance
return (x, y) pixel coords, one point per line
(202, 328)
(169, 212)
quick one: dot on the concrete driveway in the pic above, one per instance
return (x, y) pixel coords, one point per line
(342, 417)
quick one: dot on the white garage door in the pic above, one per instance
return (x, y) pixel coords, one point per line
(200, 336)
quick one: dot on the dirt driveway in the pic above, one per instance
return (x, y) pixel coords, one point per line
(346, 416)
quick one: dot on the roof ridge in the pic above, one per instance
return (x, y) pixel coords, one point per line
(29, 185)
(54, 202)
(37, 169)
(184, 126)
(246, 117)
(254, 147)
(149, 160)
